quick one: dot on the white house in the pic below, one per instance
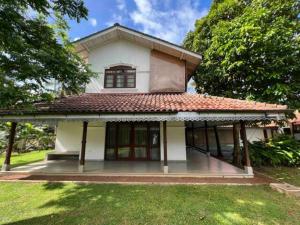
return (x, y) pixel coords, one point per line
(137, 108)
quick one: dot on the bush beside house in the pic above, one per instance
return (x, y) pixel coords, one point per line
(28, 137)
(282, 150)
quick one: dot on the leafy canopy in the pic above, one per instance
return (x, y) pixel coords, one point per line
(251, 50)
(31, 54)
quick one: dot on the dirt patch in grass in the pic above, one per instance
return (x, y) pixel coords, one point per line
(258, 179)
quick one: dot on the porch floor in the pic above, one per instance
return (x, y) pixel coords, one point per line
(197, 164)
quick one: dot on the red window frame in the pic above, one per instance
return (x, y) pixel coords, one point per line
(125, 71)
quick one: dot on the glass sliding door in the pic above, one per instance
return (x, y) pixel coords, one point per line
(132, 141)
(110, 142)
(140, 141)
(123, 141)
(154, 143)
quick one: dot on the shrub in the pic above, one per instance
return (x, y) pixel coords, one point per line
(28, 137)
(282, 150)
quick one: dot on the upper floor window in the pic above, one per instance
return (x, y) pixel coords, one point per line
(120, 77)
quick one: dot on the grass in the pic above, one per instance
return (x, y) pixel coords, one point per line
(69, 203)
(289, 175)
(25, 158)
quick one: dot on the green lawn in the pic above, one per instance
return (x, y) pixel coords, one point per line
(25, 158)
(290, 175)
(49, 203)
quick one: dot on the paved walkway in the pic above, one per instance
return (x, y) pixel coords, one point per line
(197, 164)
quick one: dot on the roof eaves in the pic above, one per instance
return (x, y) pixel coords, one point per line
(116, 26)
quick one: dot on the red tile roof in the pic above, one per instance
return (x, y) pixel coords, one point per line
(141, 102)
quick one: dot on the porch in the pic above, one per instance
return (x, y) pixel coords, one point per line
(197, 165)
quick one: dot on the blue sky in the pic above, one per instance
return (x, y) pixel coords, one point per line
(166, 19)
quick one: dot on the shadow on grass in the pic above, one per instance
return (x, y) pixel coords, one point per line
(25, 163)
(125, 204)
(53, 185)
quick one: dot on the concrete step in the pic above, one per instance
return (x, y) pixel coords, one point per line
(63, 156)
(286, 188)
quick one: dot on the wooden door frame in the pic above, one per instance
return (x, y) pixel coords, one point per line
(132, 142)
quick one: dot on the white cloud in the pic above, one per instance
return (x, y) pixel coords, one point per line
(93, 22)
(76, 38)
(120, 15)
(168, 23)
(116, 18)
(121, 5)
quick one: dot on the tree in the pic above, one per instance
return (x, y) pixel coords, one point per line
(28, 137)
(31, 55)
(251, 50)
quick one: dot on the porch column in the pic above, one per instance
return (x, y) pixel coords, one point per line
(166, 168)
(246, 158)
(265, 134)
(206, 138)
(83, 145)
(236, 145)
(193, 134)
(218, 142)
(12, 134)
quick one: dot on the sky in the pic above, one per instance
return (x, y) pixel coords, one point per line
(166, 19)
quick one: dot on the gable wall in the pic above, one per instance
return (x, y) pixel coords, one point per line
(155, 71)
(116, 53)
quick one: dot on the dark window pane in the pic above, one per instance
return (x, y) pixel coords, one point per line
(123, 152)
(110, 153)
(155, 153)
(130, 85)
(120, 82)
(140, 152)
(140, 135)
(111, 136)
(109, 80)
(154, 136)
(124, 134)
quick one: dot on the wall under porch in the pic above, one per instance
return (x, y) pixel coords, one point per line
(69, 136)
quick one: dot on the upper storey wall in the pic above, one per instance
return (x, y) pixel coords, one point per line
(155, 71)
(119, 53)
(167, 73)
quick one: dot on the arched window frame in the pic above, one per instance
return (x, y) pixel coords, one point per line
(120, 76)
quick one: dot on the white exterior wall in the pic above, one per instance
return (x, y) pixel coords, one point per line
(176, 144)
(119, 52)
(69, 136)
(256, 134)
(297, 136)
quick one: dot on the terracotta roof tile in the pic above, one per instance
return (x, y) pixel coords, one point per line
(147, 102)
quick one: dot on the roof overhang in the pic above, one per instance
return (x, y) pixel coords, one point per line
(118, 32)
(126, 117)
